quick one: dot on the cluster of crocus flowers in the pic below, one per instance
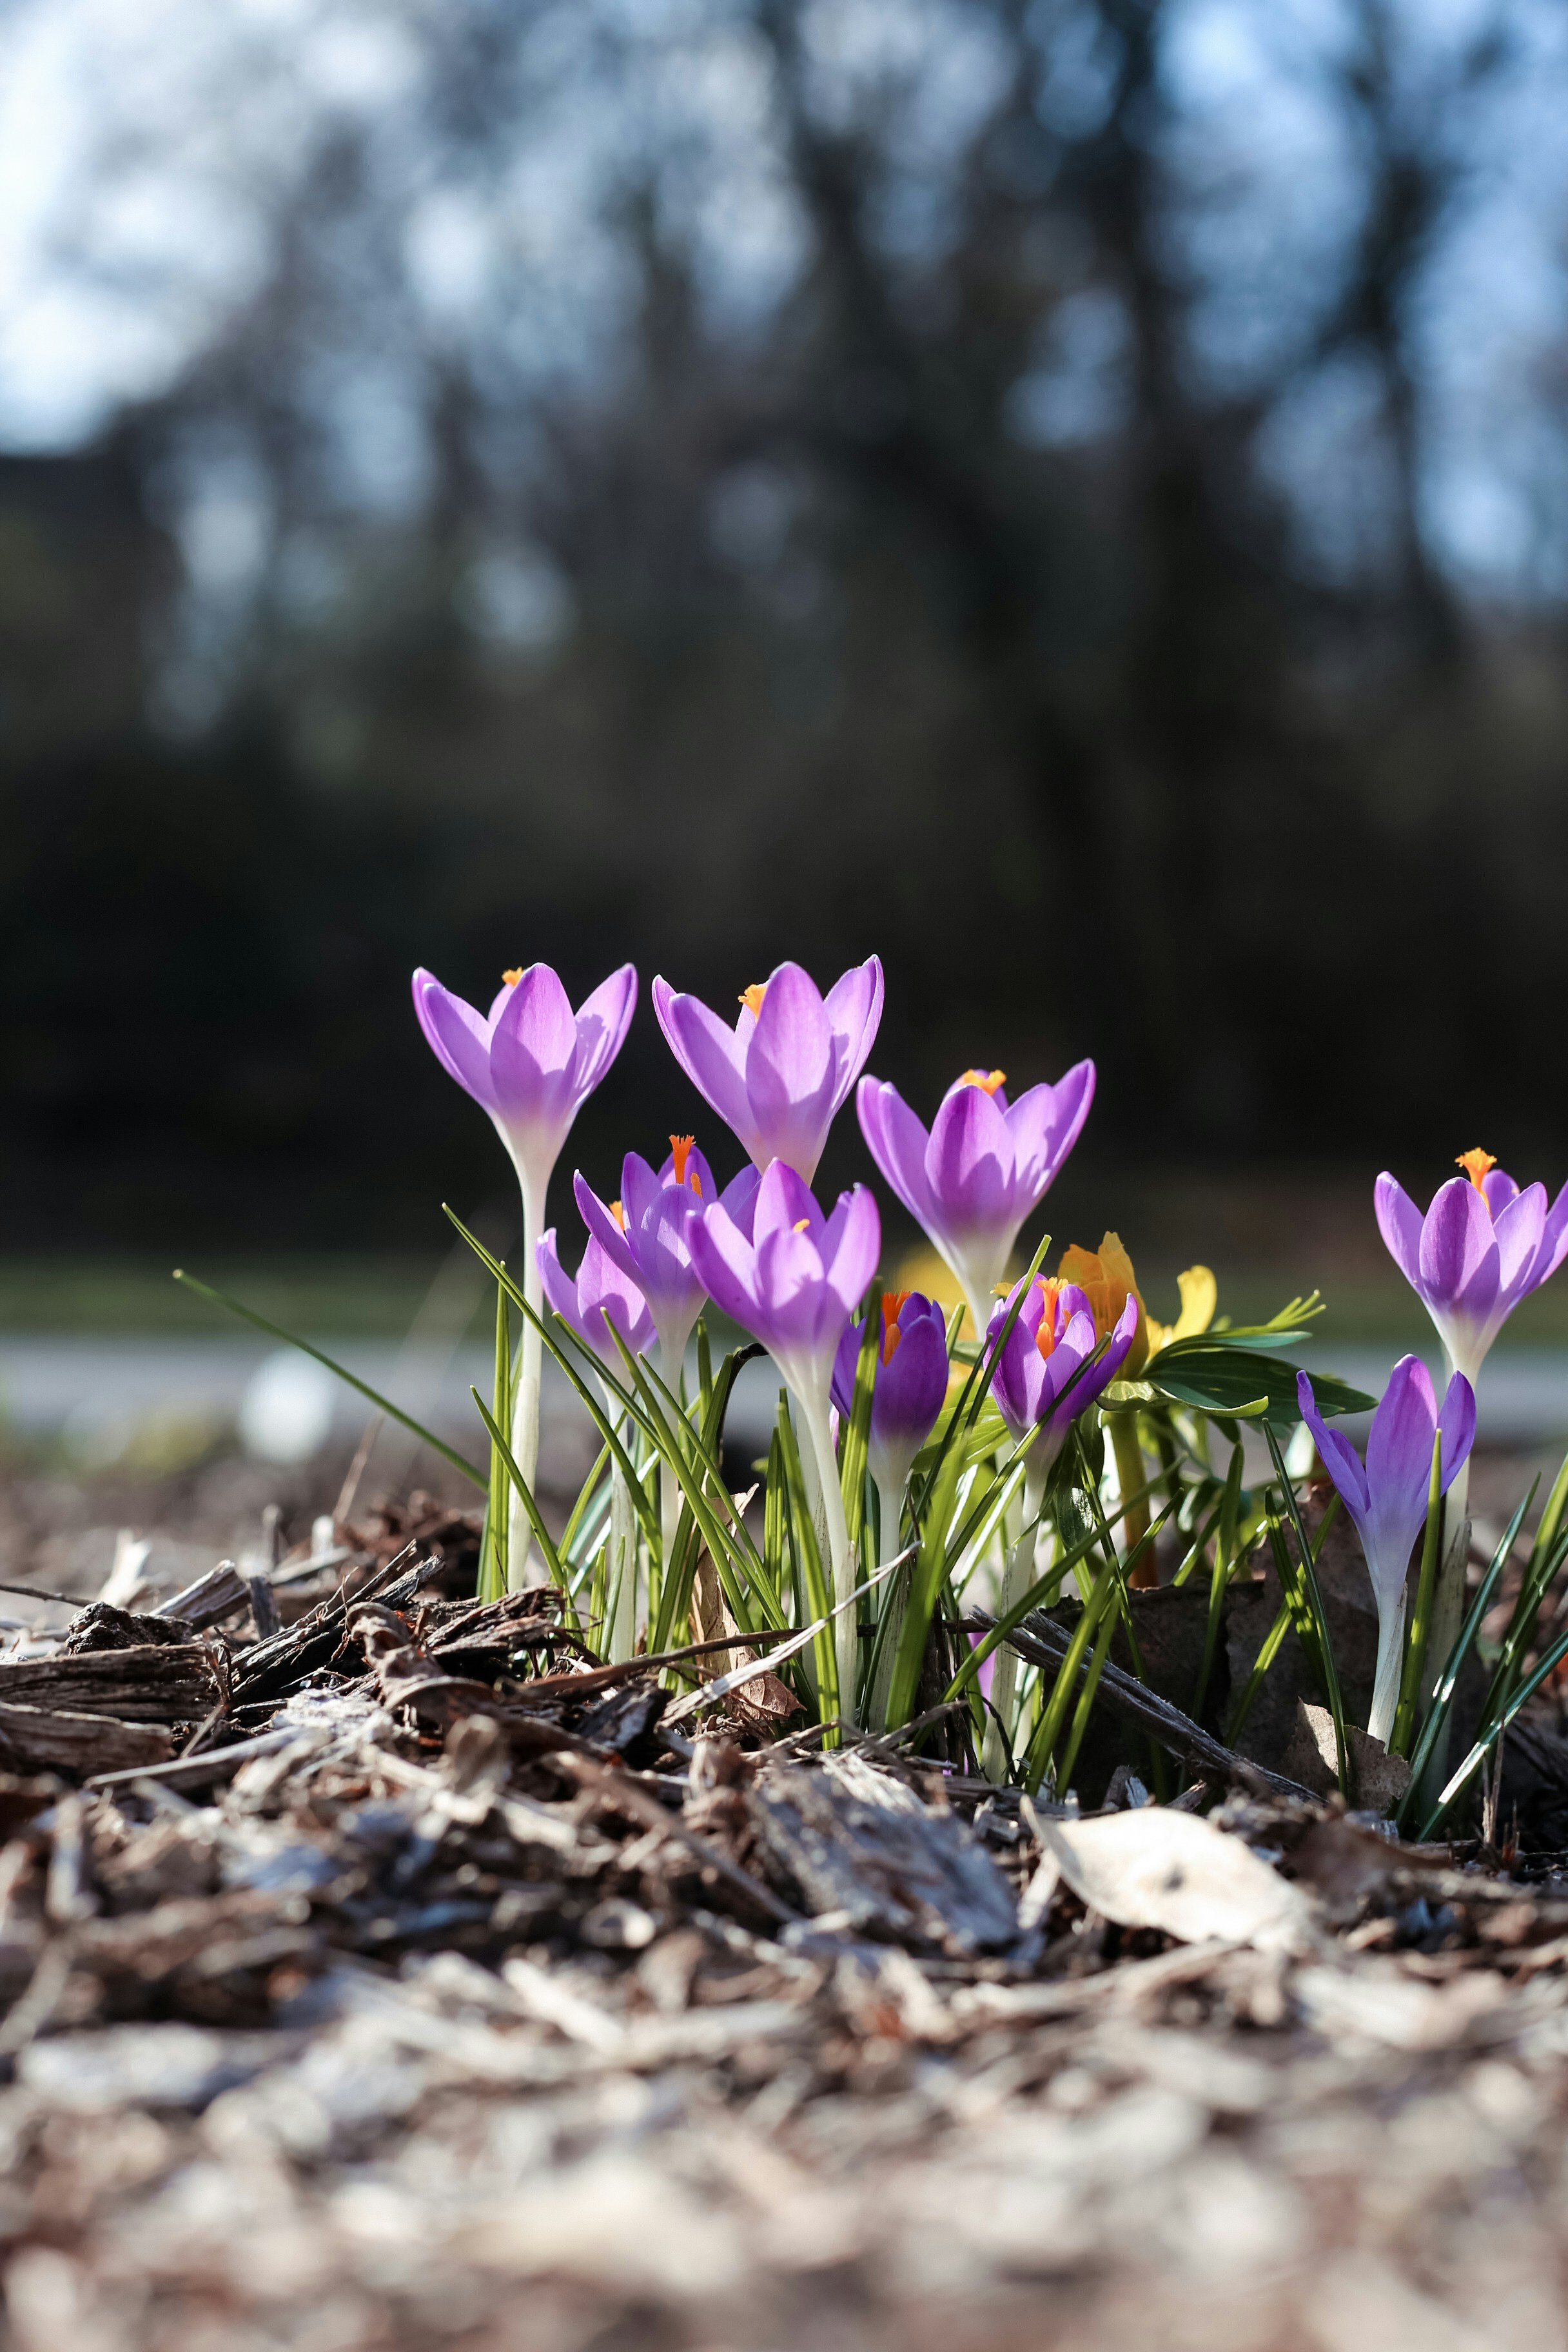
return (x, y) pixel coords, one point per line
(1387, 1495)
(985, 1164)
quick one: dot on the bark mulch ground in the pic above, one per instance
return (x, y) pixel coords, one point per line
(379, 1971)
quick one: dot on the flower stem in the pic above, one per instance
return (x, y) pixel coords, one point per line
(1017, 1577)
(1390, 1661)
(846, 1636)
(522, 1570)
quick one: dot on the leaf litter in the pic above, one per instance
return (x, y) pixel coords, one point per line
(378, 1970)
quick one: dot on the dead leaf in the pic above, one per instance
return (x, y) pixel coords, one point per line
(1175, 1871)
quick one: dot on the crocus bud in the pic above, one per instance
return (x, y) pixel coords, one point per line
(1387, 1498)
(910, 1384)
(1044, 1377)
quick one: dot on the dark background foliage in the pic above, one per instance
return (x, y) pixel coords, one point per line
(1040, 564)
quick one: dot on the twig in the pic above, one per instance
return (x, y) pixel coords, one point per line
(37, 1593)
(1046, 1644)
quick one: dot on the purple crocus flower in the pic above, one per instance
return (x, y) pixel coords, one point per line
(794, 1284)
(910, 1385)
(646, 1234)
(780, 1075)
(1482, 1246)
(1043, 1377)
(531, 1063)
(1387, 1498)
(986, 1163)
(599, 1290)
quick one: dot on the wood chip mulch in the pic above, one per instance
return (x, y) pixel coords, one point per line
(390, 1979)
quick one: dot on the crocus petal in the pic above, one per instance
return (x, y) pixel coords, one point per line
(558, 1287)
(640, 1189)
(727, 1263)
(785, 1200)
(1399, 1223)
(1553, 1239)
(603, 1228)
(601, 1024)
(1500, 1188)
(1459, 1270)
(897, 1143)
(1518, 1227)
(1399, 1443)
(456, 1035)
(854, 1008)
(739, 1199)
(1458, 1419)
(1339, 1458)
(969, 1165)
(1044, 1124)
(789, 1071)
(709, 1053)
(536, 1033)
(856, 1249)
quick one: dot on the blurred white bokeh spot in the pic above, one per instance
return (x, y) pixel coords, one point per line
(287, 1411)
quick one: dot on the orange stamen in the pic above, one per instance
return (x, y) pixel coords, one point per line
(892, 1306)
(1046, 1338)
(513, 976)
(681, 1148)
(619, 1215)
(801, 1225)
(986, 1080)
(751, 998)
(1476, 1164)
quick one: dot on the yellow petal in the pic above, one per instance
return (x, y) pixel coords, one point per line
(1200, 1296)
(1107, 1280)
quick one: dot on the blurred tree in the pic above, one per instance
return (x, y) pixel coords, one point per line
(774, 478)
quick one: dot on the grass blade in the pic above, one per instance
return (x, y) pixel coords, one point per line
(351, 1380)
(1448, 1681)
(552, 1559)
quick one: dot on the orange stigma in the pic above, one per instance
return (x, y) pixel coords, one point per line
(619, 1215)
(681, 1148)
(513, 976)
(1046, 1338)
(1476, 1164)
(986, 1080)
(751, 998)
(892, 1306)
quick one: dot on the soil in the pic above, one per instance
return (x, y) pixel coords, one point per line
(418, 1982)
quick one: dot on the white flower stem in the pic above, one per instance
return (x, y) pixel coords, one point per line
(1389, 1666)
(1017, 1577)
(522, 1570)
(847, 1639)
